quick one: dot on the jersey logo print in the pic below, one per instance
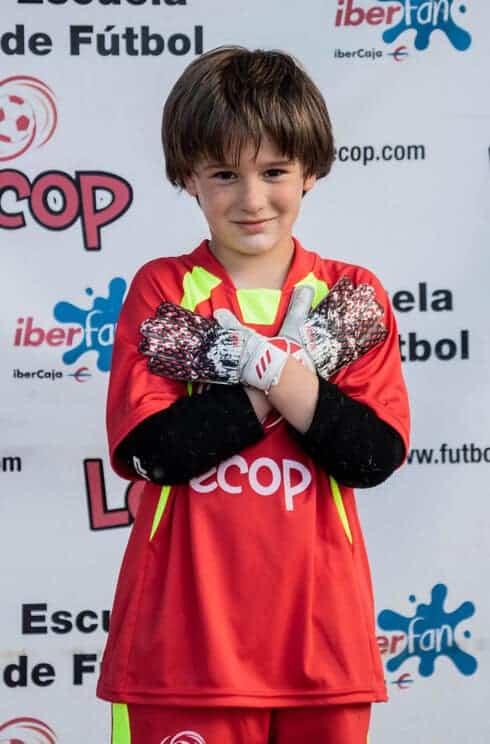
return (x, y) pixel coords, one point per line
(184, 737)
(263, 476)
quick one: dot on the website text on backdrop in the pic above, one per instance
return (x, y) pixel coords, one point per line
(254, 384)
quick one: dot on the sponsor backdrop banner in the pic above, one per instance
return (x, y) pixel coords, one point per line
(84, 202)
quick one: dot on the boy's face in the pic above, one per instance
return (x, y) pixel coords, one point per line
(251, 209)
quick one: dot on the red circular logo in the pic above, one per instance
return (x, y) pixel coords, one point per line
(26, 731)
(28, 115)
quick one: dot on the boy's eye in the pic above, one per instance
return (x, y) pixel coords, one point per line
(274, 172)
(224, 175)
(227, 175)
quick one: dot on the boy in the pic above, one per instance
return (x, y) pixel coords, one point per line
(244, 609)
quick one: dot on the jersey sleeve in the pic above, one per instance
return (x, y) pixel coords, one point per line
(134, 392)
(376, 378)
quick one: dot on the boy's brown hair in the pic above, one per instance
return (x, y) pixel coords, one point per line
(230, 96)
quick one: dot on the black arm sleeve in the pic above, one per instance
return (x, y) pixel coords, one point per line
(193, 435)
(348, 440)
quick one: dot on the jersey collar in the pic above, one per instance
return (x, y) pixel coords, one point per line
(302, 264)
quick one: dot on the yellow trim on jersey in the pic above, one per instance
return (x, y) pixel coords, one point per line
(198, 285)
(320, 287)
(121, 732)
(259, 306)
(162, 503)
(339, 503)
(165, 491)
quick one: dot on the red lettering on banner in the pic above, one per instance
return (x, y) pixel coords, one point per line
(375, 15)
(350, 15)
(389, 644)
(31, 335)
(95, 219)
(59, 184)
(56, 201)
(100, 516)
(70, 332)
(56, 336)
(11, 180)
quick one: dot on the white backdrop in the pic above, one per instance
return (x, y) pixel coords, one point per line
(83, 202)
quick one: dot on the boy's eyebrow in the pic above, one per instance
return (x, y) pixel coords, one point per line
(274, 164)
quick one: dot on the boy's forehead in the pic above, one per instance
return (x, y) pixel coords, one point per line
(268, 152)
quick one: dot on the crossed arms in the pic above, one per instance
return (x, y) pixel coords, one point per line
(344, 436)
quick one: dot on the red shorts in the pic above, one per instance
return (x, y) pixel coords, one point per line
(148, 724)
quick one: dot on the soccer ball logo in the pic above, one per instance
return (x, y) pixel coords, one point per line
(26, 731)
(16, 119)
(28, 115)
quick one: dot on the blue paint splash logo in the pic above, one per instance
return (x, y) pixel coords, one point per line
(427, 16)
(98, 323)
(431, 632)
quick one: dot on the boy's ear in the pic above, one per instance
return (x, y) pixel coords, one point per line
(190, 185)
(308, 184)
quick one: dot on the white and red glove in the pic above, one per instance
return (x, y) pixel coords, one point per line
(343, 326)
(188, 347)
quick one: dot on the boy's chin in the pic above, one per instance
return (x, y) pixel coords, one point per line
(256, 250)
(259, 245)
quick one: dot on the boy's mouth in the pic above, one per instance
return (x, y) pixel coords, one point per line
(251, 224)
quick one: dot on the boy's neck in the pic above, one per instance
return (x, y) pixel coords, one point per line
(263, 271)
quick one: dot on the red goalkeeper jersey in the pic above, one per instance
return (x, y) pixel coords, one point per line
(249, 586)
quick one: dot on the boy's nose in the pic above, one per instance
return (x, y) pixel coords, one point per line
(252, 197)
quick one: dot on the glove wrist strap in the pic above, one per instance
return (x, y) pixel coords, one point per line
(264, 367)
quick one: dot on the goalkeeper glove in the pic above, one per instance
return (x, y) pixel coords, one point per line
(188, 347)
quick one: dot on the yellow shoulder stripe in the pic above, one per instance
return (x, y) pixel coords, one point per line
(198, 285)
(320, 287)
